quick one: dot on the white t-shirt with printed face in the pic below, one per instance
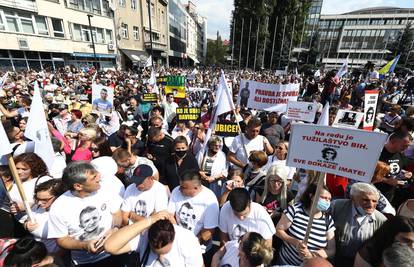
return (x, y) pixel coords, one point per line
(251, 145)
(195, 213)
(144, 203)
(185, 250)
(258, 221)
(83, 219)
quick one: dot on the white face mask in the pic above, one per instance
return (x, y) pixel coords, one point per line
(130, 117)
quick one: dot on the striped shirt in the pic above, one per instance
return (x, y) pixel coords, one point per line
(317, 238)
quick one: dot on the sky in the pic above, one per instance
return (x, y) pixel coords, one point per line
(218, 12)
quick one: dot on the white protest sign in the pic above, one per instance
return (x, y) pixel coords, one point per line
(348, 119)
(266, 96)
(371, 99)
(102, 98)
(301, 111)
(280, 72)
(346, 152)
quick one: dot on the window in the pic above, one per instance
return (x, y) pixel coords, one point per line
(122, 3)
(135, 32)
(77, 32)
(133, 4)
(124, 31)
(100, 35)
(108, 36)
(41, 25)
(152, 10)
(57, 25)
(86, 34)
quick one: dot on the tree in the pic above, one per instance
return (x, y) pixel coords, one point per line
(264, 16)
(216, 51)
(402, 46)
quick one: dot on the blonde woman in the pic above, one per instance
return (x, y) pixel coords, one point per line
(275, 197)
(279, 157)
(83, 152)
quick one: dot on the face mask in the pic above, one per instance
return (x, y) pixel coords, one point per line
(180, 153)
(130, 117)
(361, 211)
(323, 205)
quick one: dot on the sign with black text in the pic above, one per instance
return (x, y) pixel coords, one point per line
(348, 119)
(227, 129)
(187, 114)
(150, 97)
(301, 111)
(370, 107)
(334, 150)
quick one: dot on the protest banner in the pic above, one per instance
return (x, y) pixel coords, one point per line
(348, 119)
(281, 72)
(370, 107)
(149, 97)
(176, 86)
(187, 114)
(301, 111)
(266, 96)
(162, 80)
(102, 98)
(332, 150)
(227, 129)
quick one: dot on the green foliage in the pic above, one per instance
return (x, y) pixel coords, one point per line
(216, 52)
(402, 46)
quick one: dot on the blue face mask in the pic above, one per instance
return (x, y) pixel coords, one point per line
(323, 205)
(361, 211)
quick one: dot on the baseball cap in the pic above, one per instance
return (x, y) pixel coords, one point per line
(140, 173)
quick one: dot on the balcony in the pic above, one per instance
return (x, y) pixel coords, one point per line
(155, 45)
(27, 5)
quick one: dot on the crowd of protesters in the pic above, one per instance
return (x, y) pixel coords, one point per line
(137, 187)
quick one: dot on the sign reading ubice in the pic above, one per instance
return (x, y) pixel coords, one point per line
(226, 129)
(334, 150)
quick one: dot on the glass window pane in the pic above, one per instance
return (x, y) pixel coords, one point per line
(5, 65)
(20, 65)
(4, 53)
(34, 65)
(41, 25)
(45, 55)
(17, 54)
(77, 35)
(100, 35)
(27, 26)
(109, 35)
(12, 24)
(32, 55)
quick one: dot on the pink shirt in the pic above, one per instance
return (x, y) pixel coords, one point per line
(82, 154)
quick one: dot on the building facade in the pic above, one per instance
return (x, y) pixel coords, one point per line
(48, 34)
(363, 35)
(197, 35)
(133, 31)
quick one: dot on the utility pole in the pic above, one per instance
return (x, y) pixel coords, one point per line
(96, 65)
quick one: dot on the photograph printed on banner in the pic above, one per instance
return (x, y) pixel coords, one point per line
(102, 99)
(348, 119)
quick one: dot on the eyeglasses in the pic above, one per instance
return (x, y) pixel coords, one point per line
(95, 149)
(279, 147)
(276, 181)
(43, 200)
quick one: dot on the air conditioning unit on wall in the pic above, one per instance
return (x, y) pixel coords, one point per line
(23, 44)
(111, 46)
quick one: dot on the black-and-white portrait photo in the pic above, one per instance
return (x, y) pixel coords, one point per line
(186, 216)
(238, 231)
(369, 116)
(89, 219)
(348, 118)
(141, 208)
(329, 153)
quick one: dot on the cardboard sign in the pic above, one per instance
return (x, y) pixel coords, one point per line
(162, 80)
(348, 119)
(150, 98)
(370, 107)
(102, 98)
(226, 129)
(187, 114)
(301, 111)
(176, 86)
(266, 96)
(345, 152)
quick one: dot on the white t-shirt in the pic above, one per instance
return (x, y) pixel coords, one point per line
(251, 145)
(140, 160)
(231, 257)
(169, 110)
(144, 203)
(56, 171)
(185, 251)
(28, 187)
(258, 221)
(195, 213)
(82, 219)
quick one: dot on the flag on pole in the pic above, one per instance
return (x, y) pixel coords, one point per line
(317, 73)
(389, 67)
(37, 130)
(324, 118)
(222, 104)
(5, 147)
(94, 76)
(343, 70)
(153, 83)
(149, 62)
(3, 80)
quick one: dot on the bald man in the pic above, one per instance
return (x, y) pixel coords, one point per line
(317, 262)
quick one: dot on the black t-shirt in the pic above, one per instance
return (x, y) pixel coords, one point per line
(272, 202)
(161, 150)
(114, 140)
(171, 173)
(397, 161)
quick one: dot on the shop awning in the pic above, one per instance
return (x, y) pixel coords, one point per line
(91, 55)
(135, 55)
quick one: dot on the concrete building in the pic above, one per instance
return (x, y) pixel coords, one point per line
(363, 35)
(197, 35)
(133, 31)
(48, 34)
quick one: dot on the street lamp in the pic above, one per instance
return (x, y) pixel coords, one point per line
(93, 42)
(150, 28)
